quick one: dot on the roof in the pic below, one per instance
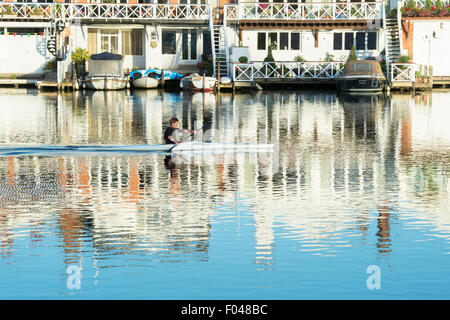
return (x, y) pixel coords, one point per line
(106, 56)
(362, 67)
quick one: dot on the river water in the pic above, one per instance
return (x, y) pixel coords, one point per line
(353, 204)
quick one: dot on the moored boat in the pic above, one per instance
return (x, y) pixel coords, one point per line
(363, 76)
(199, 83)
(105, 73)
(145, 83)
(150, 78)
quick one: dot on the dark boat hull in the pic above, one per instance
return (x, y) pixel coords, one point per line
(361, 85)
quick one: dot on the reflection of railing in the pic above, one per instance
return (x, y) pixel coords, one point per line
(422, 3)
(103, 11)
(304, 11)
(403, 72)
(287, 70)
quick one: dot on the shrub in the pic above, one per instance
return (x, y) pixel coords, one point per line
(329, 57)
(404, 59)
(392, 13)
(80, 55)
(352, 56)
(299, 59)
(428, 5)
(243, 59)
(50, 65)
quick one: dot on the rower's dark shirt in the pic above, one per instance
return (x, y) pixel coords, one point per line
(169, 131)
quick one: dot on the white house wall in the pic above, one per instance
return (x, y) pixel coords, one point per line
(429, 50)
(23, 54)
(307, 49)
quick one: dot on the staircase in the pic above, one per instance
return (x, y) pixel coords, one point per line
(220, 50)
(393, 40)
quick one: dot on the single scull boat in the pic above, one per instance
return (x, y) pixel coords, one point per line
(185, 147)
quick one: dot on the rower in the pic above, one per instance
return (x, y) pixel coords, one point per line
(168, 133)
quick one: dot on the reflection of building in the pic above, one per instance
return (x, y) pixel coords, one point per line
(343, 167)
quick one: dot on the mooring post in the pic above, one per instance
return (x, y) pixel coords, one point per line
(218, 75)
(162, 80)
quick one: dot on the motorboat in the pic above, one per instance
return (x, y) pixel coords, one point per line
(361, 76)
(150, 78)
(105, 73)
(197, 82)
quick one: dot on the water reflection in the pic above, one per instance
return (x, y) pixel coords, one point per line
(348, 170)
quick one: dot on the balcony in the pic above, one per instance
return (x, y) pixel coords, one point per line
(305, 11)
(103, 11)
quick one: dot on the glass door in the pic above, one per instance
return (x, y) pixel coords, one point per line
(189, 44)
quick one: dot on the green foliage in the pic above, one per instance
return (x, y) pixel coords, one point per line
(329, 57)
(243, 59)
(392, 14)
(299, 59)
(428, 5)
(438, 5)
(352, 56)
(404, 59)
(80, 55)
(50, 65)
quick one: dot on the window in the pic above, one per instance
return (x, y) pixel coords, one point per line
(366, 67)
(295, 41)
(273, 38)
(185, 45)
(132, 42)
(284, 41)
(360, 41)
(193, 44)
(109, 40)
(169, 44)
(261, 41)
(189, 44)
(207, 42)
(348, 40)
(371, 41)
(337, 41)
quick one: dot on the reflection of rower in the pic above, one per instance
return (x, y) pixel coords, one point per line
(169, 132)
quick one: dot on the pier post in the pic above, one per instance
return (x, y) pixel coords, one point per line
(218, 75)
(163, 86)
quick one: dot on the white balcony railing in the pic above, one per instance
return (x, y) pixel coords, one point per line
(420, 4)
(103, 11)
(287, 70)
(304, 11)
(403, 72)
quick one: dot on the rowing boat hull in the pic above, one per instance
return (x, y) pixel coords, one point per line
(186, 147)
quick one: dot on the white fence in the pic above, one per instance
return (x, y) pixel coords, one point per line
(102, 11)
(403, 72)
(421, 3)
(287, 70)
(304, 11)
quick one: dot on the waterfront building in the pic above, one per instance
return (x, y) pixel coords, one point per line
(178, 34)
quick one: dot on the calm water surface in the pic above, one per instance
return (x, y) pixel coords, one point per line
(354, 182)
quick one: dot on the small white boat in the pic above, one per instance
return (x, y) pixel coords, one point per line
(198, 83)
(145, 83)
(105, 73)
(107, 82)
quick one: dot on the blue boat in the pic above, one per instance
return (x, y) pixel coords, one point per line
(155, 74)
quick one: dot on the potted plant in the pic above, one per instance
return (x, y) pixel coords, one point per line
(79, 58)
(243, 59)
